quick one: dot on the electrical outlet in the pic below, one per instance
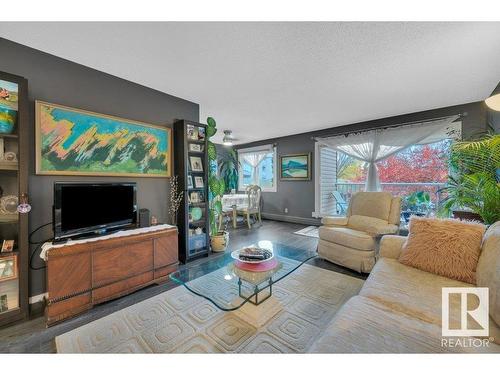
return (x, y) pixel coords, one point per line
(286, 210)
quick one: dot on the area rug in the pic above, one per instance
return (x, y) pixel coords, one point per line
(178, 321)
(311, 231)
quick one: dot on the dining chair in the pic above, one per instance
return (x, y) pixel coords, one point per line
(252, 207)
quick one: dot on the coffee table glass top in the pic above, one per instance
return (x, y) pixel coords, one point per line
(229, 287)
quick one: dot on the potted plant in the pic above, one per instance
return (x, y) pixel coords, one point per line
(473, 190)
(219, 239)
(228, 169)
(417, 203)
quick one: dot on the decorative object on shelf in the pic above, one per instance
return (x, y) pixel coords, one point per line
(176, 196)
(190, 182)
(8, 204)
(201, 134)
(474, 183)
(195, 213)
(7, 246)
(194, 197)
(154, 220)
(9, 156)
(295, 167)
(4, 305)
(195, 147)
(219, 239)
(192, 132)
(198, 182)
(198, 231)
(24, 207)
(8, 106)
(196, 164)
(8, 268)
(71, 141)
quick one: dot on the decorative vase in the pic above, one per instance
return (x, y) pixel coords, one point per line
(219, 241)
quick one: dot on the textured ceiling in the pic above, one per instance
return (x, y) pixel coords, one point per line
(263, 80)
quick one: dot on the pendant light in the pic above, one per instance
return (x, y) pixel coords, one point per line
(493, 102)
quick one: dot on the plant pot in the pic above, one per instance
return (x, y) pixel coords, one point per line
(466, 215)
(219, 241)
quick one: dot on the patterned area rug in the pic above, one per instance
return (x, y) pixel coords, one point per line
(178, 321)
(311, 231)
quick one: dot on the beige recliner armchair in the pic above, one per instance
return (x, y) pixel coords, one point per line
(352, 241)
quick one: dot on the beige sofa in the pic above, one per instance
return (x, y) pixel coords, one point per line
(351, 241)
(398, 310)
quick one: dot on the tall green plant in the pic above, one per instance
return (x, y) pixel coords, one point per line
(474, 181)
(216, 185)
(228, 169)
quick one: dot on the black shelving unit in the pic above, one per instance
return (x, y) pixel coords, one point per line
(191, 142)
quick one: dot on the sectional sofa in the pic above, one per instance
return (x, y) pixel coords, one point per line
(398, 310)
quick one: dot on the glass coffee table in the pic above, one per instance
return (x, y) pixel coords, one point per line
(247, 293)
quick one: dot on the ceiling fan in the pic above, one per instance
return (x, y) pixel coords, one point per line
(228, 138)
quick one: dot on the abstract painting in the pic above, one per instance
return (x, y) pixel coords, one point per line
(71, 141)
(8, 106)
(296, 167)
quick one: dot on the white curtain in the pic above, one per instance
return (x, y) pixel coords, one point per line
(375, 145)
(254, 159)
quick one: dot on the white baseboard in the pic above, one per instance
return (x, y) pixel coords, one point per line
(291, 219)
(37, 298)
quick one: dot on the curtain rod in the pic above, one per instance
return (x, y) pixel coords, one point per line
(460, 116)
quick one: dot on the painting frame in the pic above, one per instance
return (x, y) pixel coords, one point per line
(38, 144)
(306, 156)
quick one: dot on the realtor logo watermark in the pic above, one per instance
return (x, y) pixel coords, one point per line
(473, 319)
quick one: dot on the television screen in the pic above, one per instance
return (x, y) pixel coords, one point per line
(92, 207)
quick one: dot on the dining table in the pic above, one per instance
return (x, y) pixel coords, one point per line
(231, 203)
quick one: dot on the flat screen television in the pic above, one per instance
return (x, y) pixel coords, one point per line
(92, 208)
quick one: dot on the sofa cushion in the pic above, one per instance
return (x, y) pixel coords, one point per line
(408, 290)
(488, 269)
(373, 204)
(371, 225)
(365, 326)
(417, 293)
(395, 214)
(448, 248)
(347, 237)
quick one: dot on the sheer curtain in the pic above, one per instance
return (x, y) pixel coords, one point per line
(375, 145)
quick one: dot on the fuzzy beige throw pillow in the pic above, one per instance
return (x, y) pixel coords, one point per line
(447, 247)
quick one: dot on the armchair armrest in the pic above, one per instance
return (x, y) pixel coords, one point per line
(334, 221)
(391, 245)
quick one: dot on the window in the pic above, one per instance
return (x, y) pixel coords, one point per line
(258, 167)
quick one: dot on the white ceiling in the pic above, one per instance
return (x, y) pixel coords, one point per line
(264, 80)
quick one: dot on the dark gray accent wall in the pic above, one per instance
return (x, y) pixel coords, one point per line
(298, 196)
(60, 81)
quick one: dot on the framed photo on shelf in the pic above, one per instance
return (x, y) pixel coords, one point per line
(194, 147)
(201, 134)
(190, 182)
(196, 164)
(295, 167)
(7, 246)
(192, 132)
(194, 197)
(8, 268)
(198, 182)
